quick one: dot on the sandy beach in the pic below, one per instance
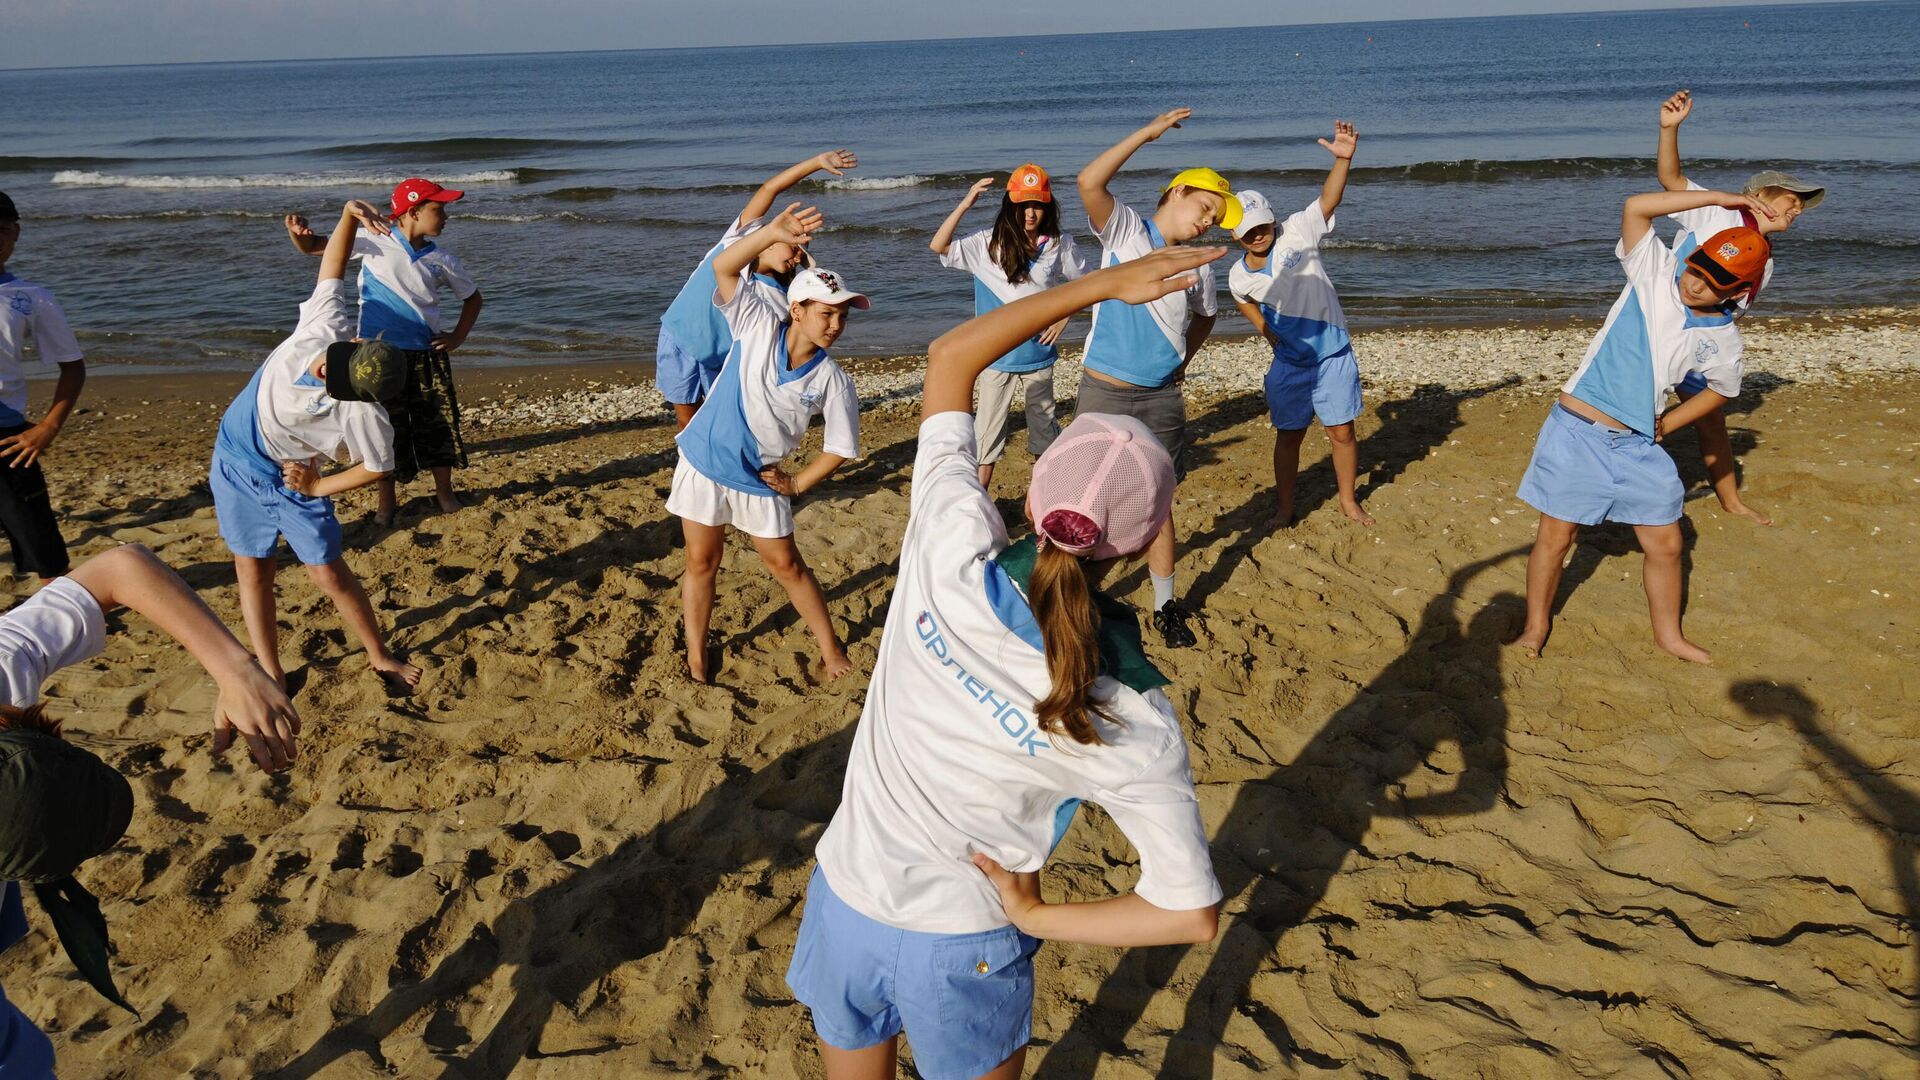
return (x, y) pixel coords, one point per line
(560, 859)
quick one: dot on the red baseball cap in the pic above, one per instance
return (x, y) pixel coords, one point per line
(413, 191)
(1029, 183)
(1732, 258)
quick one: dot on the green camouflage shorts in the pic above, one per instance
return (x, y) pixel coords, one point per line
(426, 419)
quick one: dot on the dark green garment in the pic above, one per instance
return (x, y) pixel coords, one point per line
(1121, 654)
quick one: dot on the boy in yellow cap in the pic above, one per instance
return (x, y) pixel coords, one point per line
(1137, 356)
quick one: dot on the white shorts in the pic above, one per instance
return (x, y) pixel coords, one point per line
(697, 498)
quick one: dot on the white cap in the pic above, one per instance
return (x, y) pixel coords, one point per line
(815, 283)
(1254, 212)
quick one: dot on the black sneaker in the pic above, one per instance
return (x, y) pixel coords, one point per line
(1171, 621)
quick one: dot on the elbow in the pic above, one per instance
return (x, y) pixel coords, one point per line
(1202, 925)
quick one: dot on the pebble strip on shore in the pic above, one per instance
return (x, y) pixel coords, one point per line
(1816, 349)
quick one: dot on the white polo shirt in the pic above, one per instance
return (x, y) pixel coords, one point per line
(1294, 294)
(1697, 226)
(1142, 344)
(759, 408)
(1651, 340)
(29, 315)
(1058, 261)
(286, 414)
(400, 287)
(947, 760)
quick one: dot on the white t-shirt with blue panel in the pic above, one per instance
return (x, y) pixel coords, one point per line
(1651, 341)
(1142, 344)
(29, 316)
(692, 321)
(400, 287)
(759, 407)
(1058, 261)
(948, 761)
(1296, 298)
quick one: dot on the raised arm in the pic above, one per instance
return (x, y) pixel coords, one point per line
(305, 240)
(250, 701)
(1100, 171)
(1341, 146)
(1673, 112)
(836, 162)
(943, 236)
(795, 225)
(1637, 217)
(354, 216)
(958, 357)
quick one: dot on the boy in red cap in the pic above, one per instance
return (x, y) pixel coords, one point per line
(401, 274)
(29, 315)
(1598, 458)
(1789, 197)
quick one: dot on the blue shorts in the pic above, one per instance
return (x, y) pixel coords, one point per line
(1586, 473)
(254, 512)
(25, 1051)
(1692, 384)
(965, 1000)
(683, 377)
(1329, 390)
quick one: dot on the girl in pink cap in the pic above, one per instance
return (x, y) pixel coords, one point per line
(1006, 691)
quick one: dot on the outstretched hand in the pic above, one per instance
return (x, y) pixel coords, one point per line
(980, 187)
(369, 216)
(1150, 277)
(297, 226)
(796, 225)
(1165, 121)
(255, 706)
(1343, 142)
(1675, 110)
(1750, 203)
(837, 162)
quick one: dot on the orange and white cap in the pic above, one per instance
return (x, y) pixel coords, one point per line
(1029, 183)
(1732, 258)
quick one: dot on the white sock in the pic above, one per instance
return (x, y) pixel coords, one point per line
(1162, 589)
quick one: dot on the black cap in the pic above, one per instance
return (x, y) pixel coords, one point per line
(7, 212)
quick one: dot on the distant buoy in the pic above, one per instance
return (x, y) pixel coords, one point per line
(1369, 39)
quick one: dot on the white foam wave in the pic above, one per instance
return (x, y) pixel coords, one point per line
(876, 183)
(85, 178)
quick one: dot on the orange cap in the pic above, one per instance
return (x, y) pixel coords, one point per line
(1732, 257)
(1029, 183)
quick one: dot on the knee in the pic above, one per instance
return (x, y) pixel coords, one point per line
(787, 567)
(1666, 544)
(331, 577)
(703, 564)
(1341, 435)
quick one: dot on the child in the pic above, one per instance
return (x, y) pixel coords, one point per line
(1788, 197)
(1136, 357)
(316, 394)
(28, 313)
(59, 804)
(1024, 253)
(1281, 286)
(1597, 457)
(993, 711)
(401, 271)
(693, 334)
(777, 377)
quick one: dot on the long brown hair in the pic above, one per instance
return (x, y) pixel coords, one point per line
(1009, 246)
(1063, 606)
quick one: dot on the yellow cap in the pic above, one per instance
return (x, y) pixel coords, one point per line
(1208, 180)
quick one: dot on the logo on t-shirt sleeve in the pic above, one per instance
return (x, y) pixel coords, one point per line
(21, 303)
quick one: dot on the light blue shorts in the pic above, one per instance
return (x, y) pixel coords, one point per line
(964, 1000)
(25, 1051)
(683, 377)
(1329, 390)
(1586, 473)
(1692, 384)
(255, 512)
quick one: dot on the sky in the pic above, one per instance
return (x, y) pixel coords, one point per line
(71, 33)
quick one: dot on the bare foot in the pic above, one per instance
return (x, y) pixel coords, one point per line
(1745, 511)
(1685, 650)
(383, 518)
(697, 668)
(1354, 511)
(836, 665)
(1280, 519)
(449, 502)
(400, 677)
(1530, 642)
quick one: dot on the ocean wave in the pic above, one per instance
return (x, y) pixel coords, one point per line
(88, 178)
(874, 183)
(180, 215)
(29, 163)
(464, 146)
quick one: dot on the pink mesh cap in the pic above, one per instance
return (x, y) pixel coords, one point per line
(1104, 488)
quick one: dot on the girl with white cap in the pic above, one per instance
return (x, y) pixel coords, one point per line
(1005, 692)
(777, 377)
(1024, 253)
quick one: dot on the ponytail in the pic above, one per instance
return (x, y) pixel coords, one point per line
(1063, 606)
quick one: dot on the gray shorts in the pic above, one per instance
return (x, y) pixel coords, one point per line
(1163, 409)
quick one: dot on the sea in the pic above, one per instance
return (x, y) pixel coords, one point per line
(1494, 154)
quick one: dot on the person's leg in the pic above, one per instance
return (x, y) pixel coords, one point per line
(437, 434)
(1009, 1069)
(1550, 545)
(256, 609)
(877, 1062)
(443, 489)
(389, 504)
(1346, 470)
(783, 559)
(993, 397)
(1716, 451)
(704, 544)
(1043, 421)
(350, 600)
(1662, 545)
(1286, 474)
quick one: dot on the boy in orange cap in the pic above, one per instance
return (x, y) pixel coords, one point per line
(1598, 458)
